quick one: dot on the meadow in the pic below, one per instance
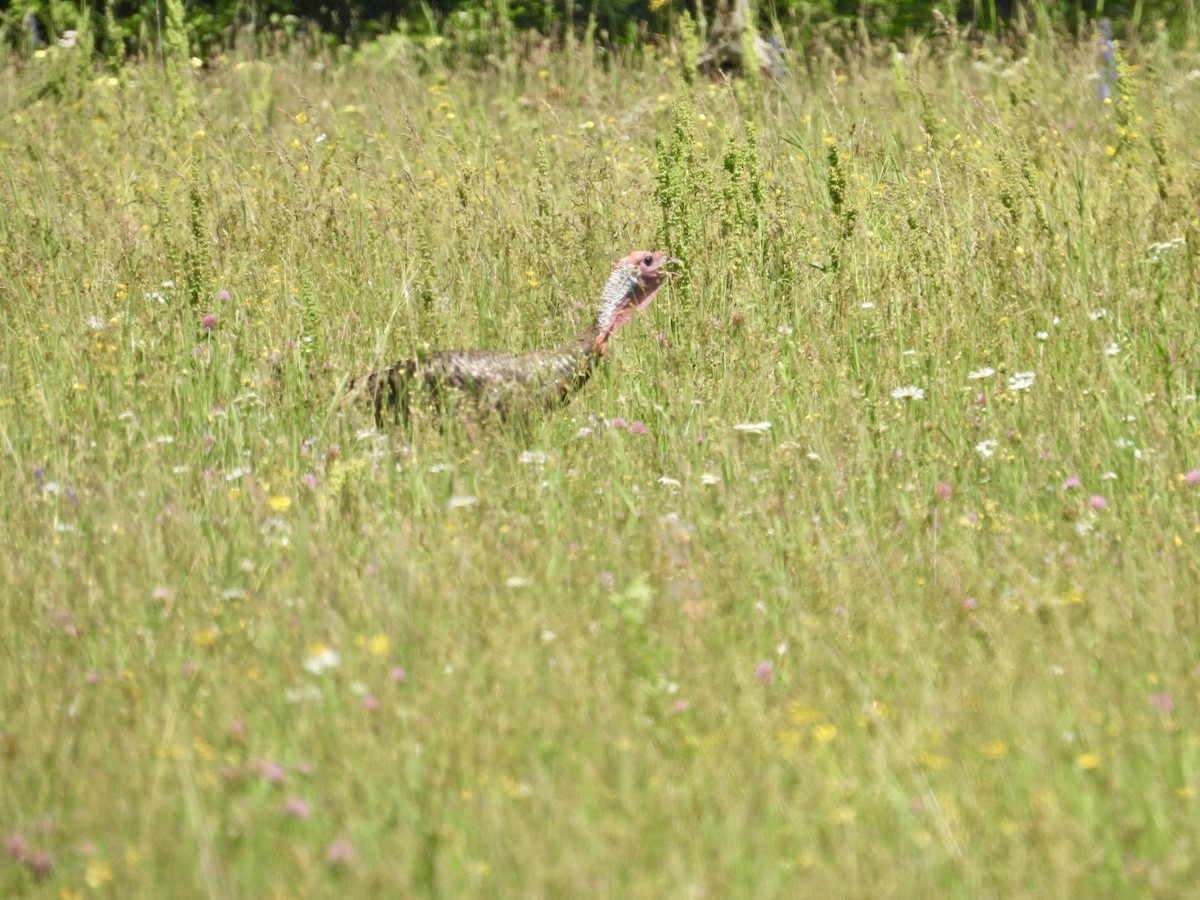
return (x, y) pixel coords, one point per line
(867, 564)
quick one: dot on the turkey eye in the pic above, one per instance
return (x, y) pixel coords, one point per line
(648, 261)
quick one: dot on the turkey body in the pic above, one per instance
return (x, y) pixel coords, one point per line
(499, 382)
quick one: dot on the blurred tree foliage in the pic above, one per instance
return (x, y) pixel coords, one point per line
(27, 24)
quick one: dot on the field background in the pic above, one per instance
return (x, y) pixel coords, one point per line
(930, 631)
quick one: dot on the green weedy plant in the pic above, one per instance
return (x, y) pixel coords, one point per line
(1158, 146)
(683, 190)
(114, 42)
(742, 195)
(689, 48)
(844, 213)
(198, 255)
(176, 60)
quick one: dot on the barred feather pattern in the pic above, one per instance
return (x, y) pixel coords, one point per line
(498, 381)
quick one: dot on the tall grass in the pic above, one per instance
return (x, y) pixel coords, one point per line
(931, 630)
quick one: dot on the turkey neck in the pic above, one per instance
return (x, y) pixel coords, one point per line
(570, 365)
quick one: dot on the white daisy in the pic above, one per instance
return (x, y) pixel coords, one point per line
(1022, 381)
(985, 372)
(753, 427)
(987, 448)
(909, 392)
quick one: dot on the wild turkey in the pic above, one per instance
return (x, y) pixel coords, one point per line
(499, 381)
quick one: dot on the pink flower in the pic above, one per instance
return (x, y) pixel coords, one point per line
(1097, 502)
(93, 677)
(618, 422)
(943, 491)
(309, 480)
(297, 808)
(370, 703)
(1163, 702)
(765, 671)
(970, 603)
(1192, 477)
(14, 846)
(161, 593)
(399, 676)
(638, 427)
(209, 322)
(39, 861)
(680, 706)
(340, 852)
(223, 295)
(272, 772)
(1072, 483)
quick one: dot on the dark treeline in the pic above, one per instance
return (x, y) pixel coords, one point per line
(214, 23)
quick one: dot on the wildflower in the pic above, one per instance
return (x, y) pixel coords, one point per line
(1021, 381)
(533, 458)
(399, 676)
(970, 603)
(370, 703)
(14, 846)
(297, 808)
(209, 322)
(668, 481)
(1163, 702)
(753, 427)
(1192, 477)
(379, 645)
(340, 852)
(710, 478)
(1072, 483)
(1088, 761)
(516, 581)
(1043, 335)
(583, 432)
(321, 658)
(867, 305)
(618, 422)
(309, 480)
(943, 491)
(1158, 250)
(272, 772)
(68, 39)
(765, 671)
(824, 733)
(987, 448)
(280, 504)
(39, 861)
(638, 427)
(1097, 502)
(97, 874)
(461, 502)
(223, 295)
(1113, 349)
(92, 677)
(995, 749)
(909, 392)
(1099, 314)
